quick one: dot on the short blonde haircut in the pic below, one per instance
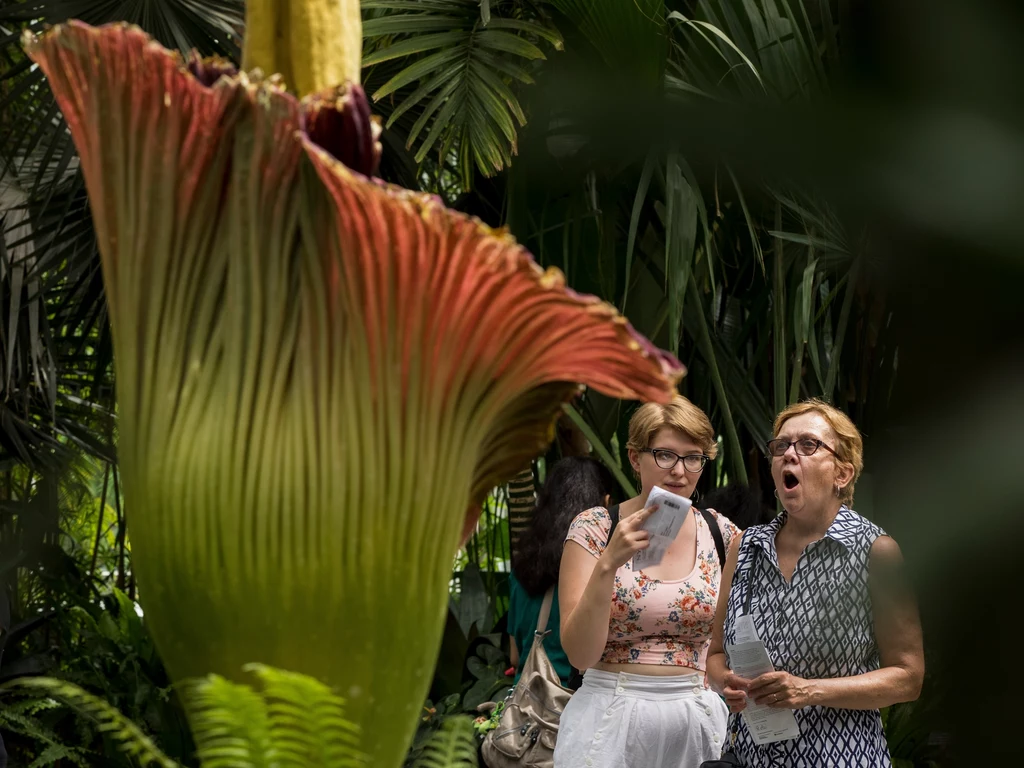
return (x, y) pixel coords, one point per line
(849, 445)
(679, 414)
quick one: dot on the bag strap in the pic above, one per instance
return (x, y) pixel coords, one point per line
(716, 531)
(716, 534)
(613, 513)
(545, 611)
(750, 583)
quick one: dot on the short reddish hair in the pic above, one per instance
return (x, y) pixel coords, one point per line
(680, 414)
(849, 445)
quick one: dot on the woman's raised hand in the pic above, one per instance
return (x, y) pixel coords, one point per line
(628, 538)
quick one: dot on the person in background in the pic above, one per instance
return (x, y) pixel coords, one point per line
(828, 597)
(740, 503)
(642, 634)
(574, 484)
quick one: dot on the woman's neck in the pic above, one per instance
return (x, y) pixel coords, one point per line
(632, 506)
(812, 524)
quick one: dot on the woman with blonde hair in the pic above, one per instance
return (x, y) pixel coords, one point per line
(825, 591)
(642, 635)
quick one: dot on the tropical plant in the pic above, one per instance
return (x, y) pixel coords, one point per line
(465, 59)
(453, 745)
(70, 620)
(63, 541)
(288, 720)
(303, 422)
(21, 718)
(128, 737)
(56, 380)
(759, 284)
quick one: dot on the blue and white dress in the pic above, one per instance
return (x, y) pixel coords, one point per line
(819, 625)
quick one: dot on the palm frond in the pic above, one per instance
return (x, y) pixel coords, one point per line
(458, 76)
(55, 361)
(628, 36)
(454, 745)
(128, 737)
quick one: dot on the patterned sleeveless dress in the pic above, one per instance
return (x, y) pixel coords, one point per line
(820, 625)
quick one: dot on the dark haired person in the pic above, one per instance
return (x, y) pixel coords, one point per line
(573, 485)
(740, 503)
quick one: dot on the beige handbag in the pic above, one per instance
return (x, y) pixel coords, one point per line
(528, 726)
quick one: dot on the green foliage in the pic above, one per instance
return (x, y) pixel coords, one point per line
(471, 662)
(487, 666)
(292, 721)
(53, 753)
(453, 745)
(125, 734)
(762, 289)
(459, 74)
(488, 549)
(69, 620)
(629, 38)
(56, 373)
(20, 718)
(435, 715)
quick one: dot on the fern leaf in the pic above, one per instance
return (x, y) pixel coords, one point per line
(230, 724)
(13, 718)
(127, 735)
(453, 746)
(291, 721)
(55, 752)
(309, 717)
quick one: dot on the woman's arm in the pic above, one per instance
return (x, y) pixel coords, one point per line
(720, 677)
(513, 652)
(900, 649)
(585, 586)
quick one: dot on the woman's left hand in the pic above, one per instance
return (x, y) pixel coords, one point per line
(781, 690)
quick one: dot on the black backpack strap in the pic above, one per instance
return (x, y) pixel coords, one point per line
(716, 531)
(613, 513)
(716, 534)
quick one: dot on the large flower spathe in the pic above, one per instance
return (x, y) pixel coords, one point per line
(318, 374)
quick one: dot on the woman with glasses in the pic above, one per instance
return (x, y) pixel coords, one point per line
(642, 635)
(825, 592)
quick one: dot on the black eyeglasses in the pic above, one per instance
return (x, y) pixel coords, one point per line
(805, 446)
(667, 459)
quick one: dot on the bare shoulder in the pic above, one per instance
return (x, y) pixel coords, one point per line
(727, 527)
(885, 551)
(885, 565)
(590, 530)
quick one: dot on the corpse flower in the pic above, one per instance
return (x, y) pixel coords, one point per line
(319, 376)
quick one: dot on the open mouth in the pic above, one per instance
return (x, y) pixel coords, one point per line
(789, 480)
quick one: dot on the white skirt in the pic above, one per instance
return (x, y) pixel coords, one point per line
(640, 721)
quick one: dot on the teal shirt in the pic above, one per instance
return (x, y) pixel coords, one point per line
(523, 612)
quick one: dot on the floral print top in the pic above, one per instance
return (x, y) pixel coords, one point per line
(653, 621)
